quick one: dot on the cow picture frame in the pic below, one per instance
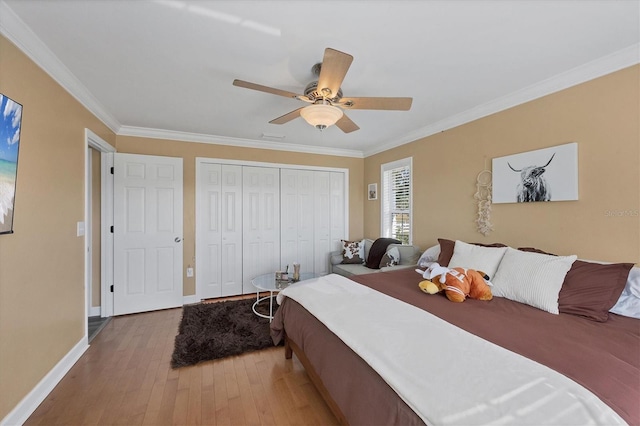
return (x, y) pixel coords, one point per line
(548, 174)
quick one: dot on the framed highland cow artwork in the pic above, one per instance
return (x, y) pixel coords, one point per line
(549, 174)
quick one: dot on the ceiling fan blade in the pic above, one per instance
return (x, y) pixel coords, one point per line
(346, 125)
(287, 117)
(399, 104)
(335, 65)
(267, 89)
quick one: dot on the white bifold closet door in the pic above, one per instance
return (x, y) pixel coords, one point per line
(253, 220)
(321, 222)
(260, 223)
(298, 224)
(219, 231)
(337, 220)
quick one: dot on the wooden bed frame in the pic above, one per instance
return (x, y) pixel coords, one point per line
(289, 349)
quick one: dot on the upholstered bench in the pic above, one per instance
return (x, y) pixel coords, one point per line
(409, 256)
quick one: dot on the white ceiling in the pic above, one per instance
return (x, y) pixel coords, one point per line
(165, 67)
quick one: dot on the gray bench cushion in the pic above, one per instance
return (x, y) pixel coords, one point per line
(409, 256)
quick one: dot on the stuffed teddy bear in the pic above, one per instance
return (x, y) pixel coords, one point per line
(457, 283)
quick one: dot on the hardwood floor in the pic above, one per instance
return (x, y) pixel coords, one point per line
(125, 378)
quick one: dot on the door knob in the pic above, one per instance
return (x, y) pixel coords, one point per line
(178, 239)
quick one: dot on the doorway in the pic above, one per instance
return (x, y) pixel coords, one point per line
(95, 322)
(98, 258)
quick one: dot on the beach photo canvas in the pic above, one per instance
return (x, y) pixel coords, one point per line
(548, 174)
(10, 122)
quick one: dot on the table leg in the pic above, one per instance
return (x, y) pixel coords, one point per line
(270, 306)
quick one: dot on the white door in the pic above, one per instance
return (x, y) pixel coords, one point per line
(289, 215)
(261, 223)
(337, 219)
(231, 230)
(297, 219)
(321, 222)
(147, 233)
(218, 230)
(208, 235)
(305, 254)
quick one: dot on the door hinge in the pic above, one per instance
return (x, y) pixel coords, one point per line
(112, 170)
(111, 229)
(111, 288)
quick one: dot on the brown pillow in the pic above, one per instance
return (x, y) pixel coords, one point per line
(447, 246)
(535, 250)
(590, 289)
(490, 245)
(446, 251)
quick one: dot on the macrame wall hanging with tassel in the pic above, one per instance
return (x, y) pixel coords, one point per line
(483, 195)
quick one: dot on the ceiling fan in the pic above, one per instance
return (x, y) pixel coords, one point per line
(325, 96)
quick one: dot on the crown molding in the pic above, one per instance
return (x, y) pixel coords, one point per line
(14, 29)
(606, 65)
(144, 132)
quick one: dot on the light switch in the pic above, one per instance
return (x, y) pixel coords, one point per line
(189, 272)
(80, 229)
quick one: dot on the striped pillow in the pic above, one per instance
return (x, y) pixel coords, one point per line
(531, 278)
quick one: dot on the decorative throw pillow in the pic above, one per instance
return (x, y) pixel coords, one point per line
(352, 251)
(390, 258)
(535, 250)
(446, 249)
(629, 302)
(471, 256)
(430, 255)
(531, 278)
(591, 289)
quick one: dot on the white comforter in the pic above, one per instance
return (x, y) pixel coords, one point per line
(445, 374)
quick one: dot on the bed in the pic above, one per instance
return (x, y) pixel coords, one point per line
(601, 358)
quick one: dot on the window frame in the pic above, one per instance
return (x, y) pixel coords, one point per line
(385, 210)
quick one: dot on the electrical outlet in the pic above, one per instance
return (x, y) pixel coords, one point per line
(189, 272)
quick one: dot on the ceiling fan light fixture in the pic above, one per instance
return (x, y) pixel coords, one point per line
(321, 116)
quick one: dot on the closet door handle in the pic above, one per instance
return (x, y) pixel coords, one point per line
(178, 239)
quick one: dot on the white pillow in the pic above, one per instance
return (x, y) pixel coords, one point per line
(430, 255)
(532, 278)
(470, 256)
(629, 302)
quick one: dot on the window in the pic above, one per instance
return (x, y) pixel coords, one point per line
(396, 200)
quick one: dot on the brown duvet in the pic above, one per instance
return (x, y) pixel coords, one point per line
(602, 357)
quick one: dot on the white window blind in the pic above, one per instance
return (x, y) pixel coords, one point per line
(396, 200)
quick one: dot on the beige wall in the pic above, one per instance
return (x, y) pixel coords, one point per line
(189, 152)
(42, 303)
(602, 116)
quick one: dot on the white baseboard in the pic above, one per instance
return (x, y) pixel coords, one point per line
(29, 403)
(94, 311)
(190, 300)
